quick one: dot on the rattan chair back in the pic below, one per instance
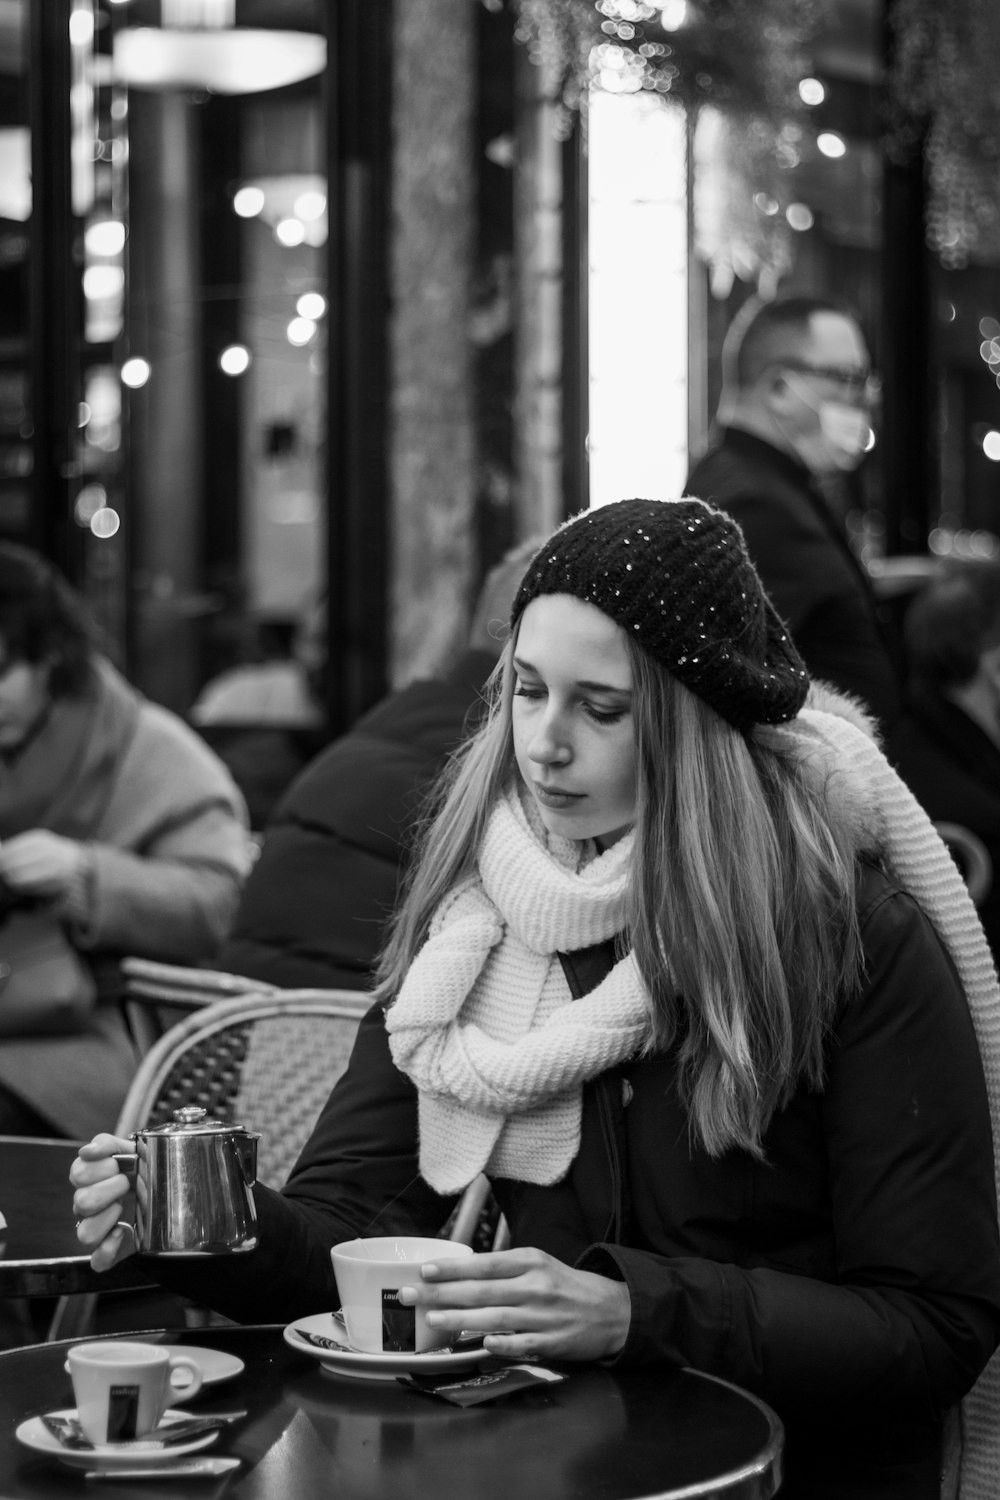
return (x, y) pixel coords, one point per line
(264, 1061)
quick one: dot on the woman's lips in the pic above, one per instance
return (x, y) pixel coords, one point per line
(555, 799)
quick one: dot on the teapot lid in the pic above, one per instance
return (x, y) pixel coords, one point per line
(192, 1119)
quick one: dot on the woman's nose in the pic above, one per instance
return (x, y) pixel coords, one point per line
(549, 744)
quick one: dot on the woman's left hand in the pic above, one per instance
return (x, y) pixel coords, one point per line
(527, 1302)
(40, 863)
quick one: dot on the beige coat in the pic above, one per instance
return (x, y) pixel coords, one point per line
(167, 859)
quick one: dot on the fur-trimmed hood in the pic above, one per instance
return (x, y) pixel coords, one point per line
(837, 739)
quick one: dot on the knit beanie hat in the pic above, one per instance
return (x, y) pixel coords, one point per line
(677, 576)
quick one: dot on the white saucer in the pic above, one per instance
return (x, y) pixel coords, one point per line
(363, 1366)
(215, 1365)
(34, 1434)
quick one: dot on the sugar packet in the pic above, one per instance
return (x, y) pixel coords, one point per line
(486, 1385)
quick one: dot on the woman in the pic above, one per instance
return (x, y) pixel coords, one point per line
(758, 1140)
(116, 820)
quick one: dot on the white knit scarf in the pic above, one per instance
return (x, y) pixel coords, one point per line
(484, 1023)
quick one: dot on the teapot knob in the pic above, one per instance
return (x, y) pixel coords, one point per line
(189, 1114)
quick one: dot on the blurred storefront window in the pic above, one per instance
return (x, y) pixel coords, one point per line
(845, 150)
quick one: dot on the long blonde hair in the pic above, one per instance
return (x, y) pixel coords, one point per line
(741, 907)
(742, 912)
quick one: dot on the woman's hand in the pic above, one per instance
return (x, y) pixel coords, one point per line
(527, 1302)
(40, 863)
(97, 1203)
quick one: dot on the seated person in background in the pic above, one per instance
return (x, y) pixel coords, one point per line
(649, 977)
(265, 719)
(116, 818)
(314, 908)
(947, 745)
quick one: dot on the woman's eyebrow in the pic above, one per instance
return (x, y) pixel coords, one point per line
(605, 687)
(589, 686)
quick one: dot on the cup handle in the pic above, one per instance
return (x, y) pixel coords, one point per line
(127, 1163)
(190, 1388)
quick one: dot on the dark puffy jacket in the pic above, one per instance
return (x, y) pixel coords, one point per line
(851, 1278)
(314, 907)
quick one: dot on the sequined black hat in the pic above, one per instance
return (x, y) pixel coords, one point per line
(676, 575)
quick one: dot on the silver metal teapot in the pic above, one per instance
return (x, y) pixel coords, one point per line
(193, 1181)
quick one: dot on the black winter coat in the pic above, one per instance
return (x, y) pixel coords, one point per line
(851, 1278)
(806, 565)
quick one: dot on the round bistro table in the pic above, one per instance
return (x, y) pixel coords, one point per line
(40, 1255)
(599, 1435)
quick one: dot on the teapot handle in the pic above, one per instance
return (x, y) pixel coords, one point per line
(127, 1163)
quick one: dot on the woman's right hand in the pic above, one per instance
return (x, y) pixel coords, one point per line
(97, 1202)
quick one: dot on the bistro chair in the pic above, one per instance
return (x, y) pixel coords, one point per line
(476, 1220)
(265, 1060)
(156, 996)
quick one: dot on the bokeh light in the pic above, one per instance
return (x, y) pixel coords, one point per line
(673, 15)
(800, 216)
(105, 237)
(105, 523)
(135, 372)
(831, 144)
(100, 282)
(248, 202)
(311, 305)
(290, 231)
(91, 499)
(300, 331)
(309, 206)
(234, 360)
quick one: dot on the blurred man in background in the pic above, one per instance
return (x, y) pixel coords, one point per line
(796, 406)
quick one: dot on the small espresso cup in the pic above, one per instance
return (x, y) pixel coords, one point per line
(122, 1389)
(369, 1276)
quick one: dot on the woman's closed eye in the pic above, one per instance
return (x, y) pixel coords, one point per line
(603, 715)
(535, 693)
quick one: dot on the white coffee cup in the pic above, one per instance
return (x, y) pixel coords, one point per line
(369, 1275)
(122, 1389)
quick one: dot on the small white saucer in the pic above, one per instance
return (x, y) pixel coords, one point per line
(215, 1364)
(362, 1366)
(34, 1434)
